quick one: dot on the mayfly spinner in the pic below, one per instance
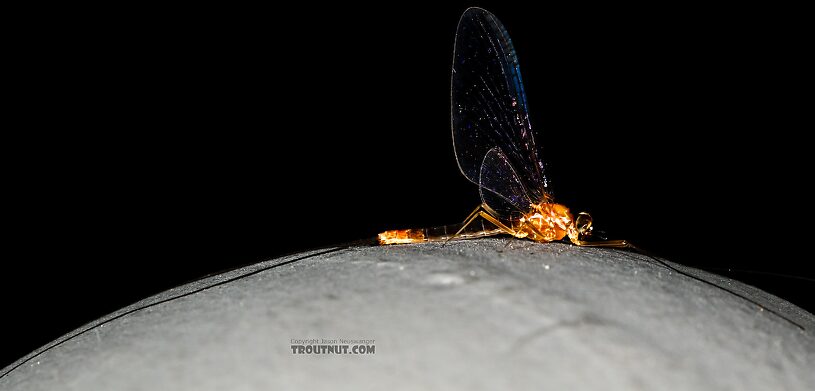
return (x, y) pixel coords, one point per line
(495, 148)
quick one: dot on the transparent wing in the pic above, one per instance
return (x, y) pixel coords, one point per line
(489, 105)
(500, 186)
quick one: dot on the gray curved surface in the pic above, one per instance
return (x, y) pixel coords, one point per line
(482, 314)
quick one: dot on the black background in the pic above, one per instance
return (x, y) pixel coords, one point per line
(159, 145)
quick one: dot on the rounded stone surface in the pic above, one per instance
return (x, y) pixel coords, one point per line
(476, 315)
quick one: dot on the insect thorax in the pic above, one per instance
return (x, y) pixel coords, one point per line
(547, 222)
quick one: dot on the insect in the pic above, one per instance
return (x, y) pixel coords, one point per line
(495, 148)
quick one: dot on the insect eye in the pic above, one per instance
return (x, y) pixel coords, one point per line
(583, 224)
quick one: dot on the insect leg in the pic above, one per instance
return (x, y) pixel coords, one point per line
(480, 212)
(489, 217)
(603, 243)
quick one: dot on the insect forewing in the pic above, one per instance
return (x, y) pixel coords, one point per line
(489, 108)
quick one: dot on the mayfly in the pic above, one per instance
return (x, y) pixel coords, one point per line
(495, 148)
